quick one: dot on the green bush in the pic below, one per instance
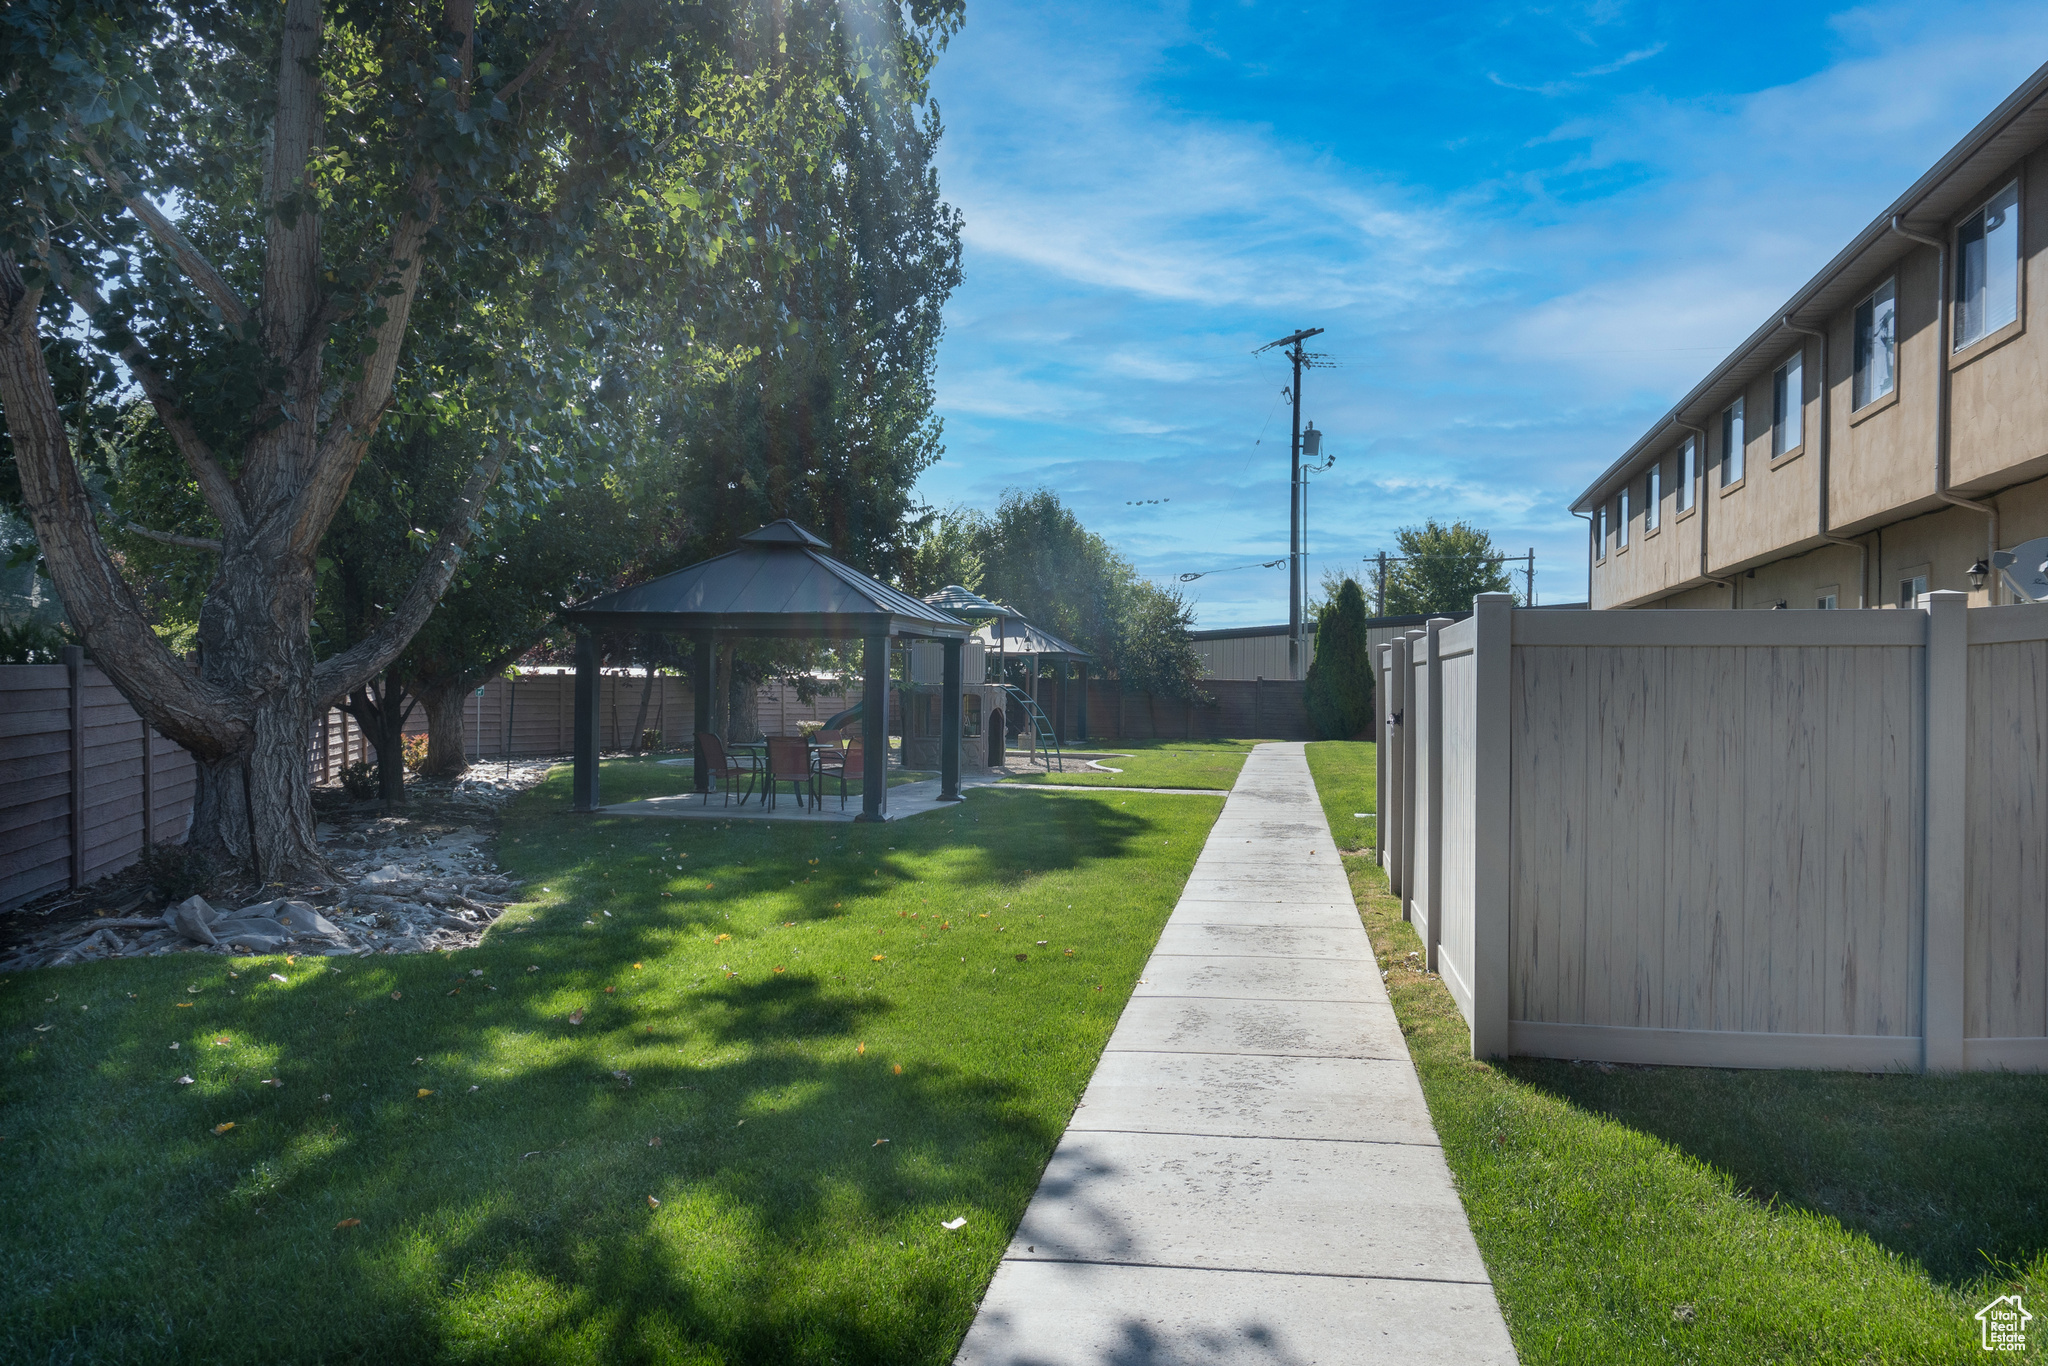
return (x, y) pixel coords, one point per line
(1339, 689)
(175, 871)
(360, 780)
(32, 642)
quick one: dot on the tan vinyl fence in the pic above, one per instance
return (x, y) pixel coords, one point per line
(1736, 839)
(81, 779)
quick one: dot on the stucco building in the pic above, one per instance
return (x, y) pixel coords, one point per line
(1883, 434)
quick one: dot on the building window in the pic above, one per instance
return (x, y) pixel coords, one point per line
(1788, 406)
(1653, 497)
(1877, 347)
(1688, 472)
(1827, 599)
(1600, 532)
(1913, 590)
(1732, 439)
(1621, 519)
(1988, 268)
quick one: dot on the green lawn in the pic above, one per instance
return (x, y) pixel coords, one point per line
(1209, 764)
(1698, 1215)
(812, 1045)
(1347, 782)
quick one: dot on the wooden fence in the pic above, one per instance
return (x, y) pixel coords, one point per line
(84, 785)
(1737, 839)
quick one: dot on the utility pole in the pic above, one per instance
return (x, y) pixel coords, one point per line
(1302, 359)
(1380, 588)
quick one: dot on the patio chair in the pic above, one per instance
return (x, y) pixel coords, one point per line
(849, 762)
(789, 761)
(719, 766)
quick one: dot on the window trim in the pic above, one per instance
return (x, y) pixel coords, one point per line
(1828, 597)
(1779, 457)
(1621, 519)
(1600, 533)
(1689, 484)
(1653, 498)
(1901, 577)
(1969, 351)
(1728, 443)
(1891, 395)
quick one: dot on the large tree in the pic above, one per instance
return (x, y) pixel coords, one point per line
(1036, 556)
(246, 205)
(1442, 568)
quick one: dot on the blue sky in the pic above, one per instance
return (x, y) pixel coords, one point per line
(1527, 230)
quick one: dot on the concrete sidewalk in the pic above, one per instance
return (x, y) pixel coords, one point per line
(1251, 1176)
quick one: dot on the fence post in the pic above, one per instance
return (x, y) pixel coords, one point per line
(148, 785)
(1947, 762)
(1398, 672)
(74, 670)
(1413, 704)
(1433, 765)
(1492, 817)
(1382, 654)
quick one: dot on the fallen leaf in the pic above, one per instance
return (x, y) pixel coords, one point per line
(721, 939)
(1043, 942)
(878, 958)
(220, 1043)
(474, 1089)
(476, 972)
(278, 977)
(778, 969)
(223, 1128)
(954, 1223)
(173, 1045)
(424, 1093)
(456, 992)
(899, 1069)
(184, 1005)
(1022, 956)
(621, 1076)
(879, 1142)
(653, 1203)
(609, 990)
(349, 1223)
(272, 1081)
(576, 1015)
(654, 1142)
(288, 958)
(860, 1047)
(43, 1029)
(534, 968)
(184, 1081)
(1070, 953)
(396, 994)
(326, 1097)
(636, 967)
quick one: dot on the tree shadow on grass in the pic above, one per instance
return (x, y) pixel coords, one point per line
(499, 1164)
(1945, 1170)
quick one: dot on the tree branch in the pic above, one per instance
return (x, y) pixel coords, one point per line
(546, 55)
(173, 538)
(100, 603)
(213, 481)
(340, 674)
(196, 267)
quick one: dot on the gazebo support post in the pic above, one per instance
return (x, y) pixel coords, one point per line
(700, 703)
(1059, 702)
(874, 728)
(583, 740)
(950, 721)
(1081, 721)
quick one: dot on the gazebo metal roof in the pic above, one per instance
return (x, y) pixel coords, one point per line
(1016, 636)
(964, 602)
(778, 582)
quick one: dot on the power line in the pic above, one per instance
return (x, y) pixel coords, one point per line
(1268, 564)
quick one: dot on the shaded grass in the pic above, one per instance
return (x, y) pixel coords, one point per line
(778, 998)
(1698, 1215)
(1347, 782)
(632, 779)
(1211, 764)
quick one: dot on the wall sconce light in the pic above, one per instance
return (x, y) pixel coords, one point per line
(1978, 573)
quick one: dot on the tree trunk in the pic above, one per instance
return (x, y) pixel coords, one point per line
(382, 707)
(447, 749)
(721, 692)
(742, 703)
(640, 721)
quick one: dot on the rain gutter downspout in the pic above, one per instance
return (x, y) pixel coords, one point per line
(1699, 466)
(1826, 446)
(1941, 386)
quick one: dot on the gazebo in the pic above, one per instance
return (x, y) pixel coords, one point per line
(778, 582)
